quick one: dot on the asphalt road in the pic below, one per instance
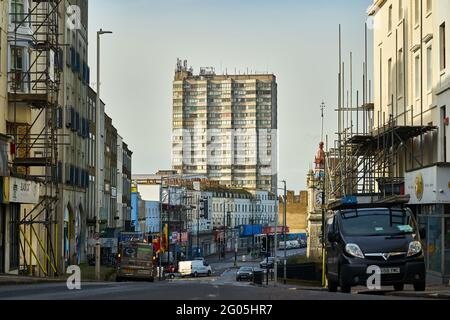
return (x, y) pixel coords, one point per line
(221, 286)
(215, 288)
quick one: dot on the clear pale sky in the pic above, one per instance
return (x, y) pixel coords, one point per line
(297, 40)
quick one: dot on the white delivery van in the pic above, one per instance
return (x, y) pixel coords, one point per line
(194, 268)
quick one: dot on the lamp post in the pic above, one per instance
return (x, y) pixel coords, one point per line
(254, 202)
(98, 166)
(160, 229)
(276, 232)
(284, 230)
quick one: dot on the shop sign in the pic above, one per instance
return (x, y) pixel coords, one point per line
(20, 191)
(429, 185)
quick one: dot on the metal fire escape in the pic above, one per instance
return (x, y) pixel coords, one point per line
(36, 89)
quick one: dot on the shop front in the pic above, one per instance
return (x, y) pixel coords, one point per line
(429, 189)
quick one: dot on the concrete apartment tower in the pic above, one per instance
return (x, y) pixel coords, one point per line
(225, 127)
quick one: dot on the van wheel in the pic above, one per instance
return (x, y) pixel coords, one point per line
(399, 287)
(345, 288)
(419, 286)
(209, 273)
(195, 275)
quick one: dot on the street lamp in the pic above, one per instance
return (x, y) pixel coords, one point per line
(284, 229)
(254, 201)
(276, 233)
(98, 170)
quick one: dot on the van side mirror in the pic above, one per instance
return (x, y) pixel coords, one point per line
(423, 233)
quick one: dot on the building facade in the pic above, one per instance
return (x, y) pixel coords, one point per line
(412, 89)
(225, 127)
(208, 214)
(296, 211)
(127, 155)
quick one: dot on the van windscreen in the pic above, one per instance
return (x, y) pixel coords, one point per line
(377, 222)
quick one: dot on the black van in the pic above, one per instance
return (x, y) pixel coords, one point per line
(384, 237)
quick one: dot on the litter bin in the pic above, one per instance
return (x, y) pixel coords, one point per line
(258, 277)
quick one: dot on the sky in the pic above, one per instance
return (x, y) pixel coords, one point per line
(297, 40)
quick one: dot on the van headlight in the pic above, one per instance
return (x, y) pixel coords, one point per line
(354, 250)
(415, 248)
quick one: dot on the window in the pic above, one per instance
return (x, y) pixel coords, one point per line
(442, 46)
(400, 9)
(417, 76)
(390, 81)
(429, 6)
(17, 11)
(429, 68)
(400, 73)
(416, 11)
(390, 19)
(16, 68)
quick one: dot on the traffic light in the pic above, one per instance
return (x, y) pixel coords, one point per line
(266, 243)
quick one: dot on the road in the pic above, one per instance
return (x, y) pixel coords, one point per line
(221, 286)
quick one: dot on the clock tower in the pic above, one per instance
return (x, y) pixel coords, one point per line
(316, 182)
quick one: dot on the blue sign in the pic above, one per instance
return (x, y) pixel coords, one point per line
(249, 230)
(350, 200)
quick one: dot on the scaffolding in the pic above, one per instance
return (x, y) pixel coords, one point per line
(364, 160)
(34, 86)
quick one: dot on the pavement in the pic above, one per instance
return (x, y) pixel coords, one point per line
(17, 280)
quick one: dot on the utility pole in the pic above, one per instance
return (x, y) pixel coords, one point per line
(224, 230)
(169, 207)
(253, 225)
(276, 250)
(98, 167)
(284, 231)
(160, 228)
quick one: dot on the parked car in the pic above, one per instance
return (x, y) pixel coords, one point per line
(268, 263)
(194, 268)
(245, 273)
(303, 244)
(135, 261)
(384, 237)
(170, 271)
(295, 244)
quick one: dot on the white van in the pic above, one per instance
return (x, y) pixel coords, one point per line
(194, 268)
